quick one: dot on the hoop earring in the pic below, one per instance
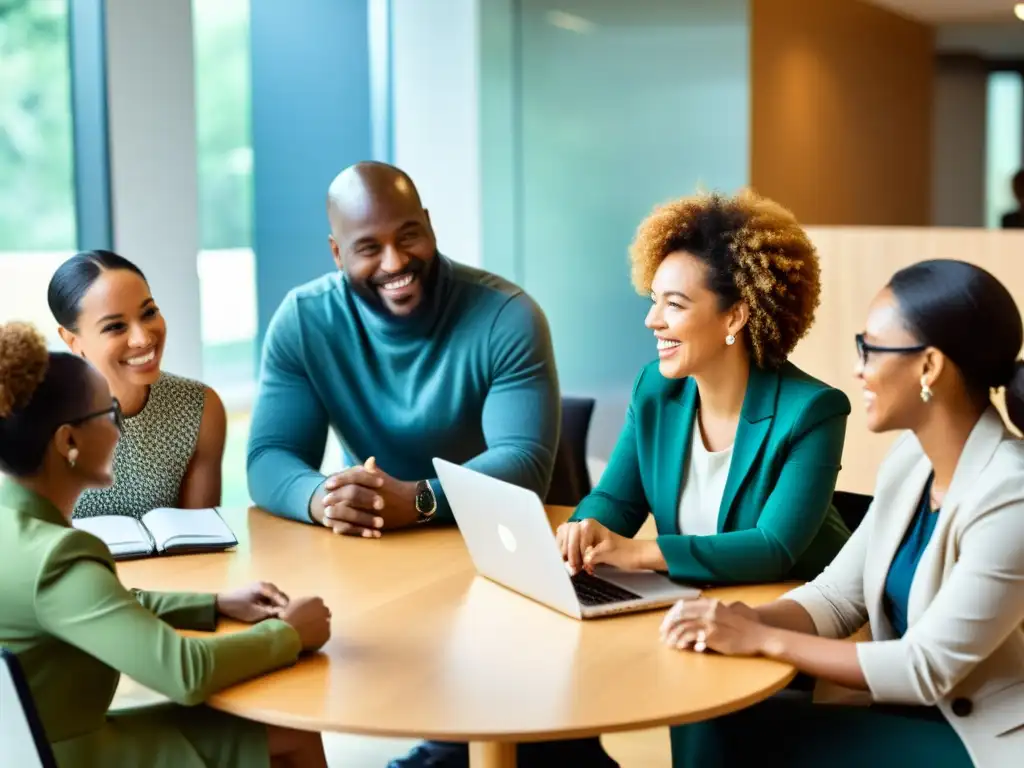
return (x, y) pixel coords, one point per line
(926, 391)
(72, 457)
(730, 339)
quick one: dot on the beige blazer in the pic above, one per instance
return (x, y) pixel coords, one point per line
(964, 647)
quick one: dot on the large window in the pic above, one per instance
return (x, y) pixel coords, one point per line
(227, 274)
(37, 207)
(1003, 143)
(226, 264)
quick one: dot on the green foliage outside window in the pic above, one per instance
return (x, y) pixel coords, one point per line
(37, 210)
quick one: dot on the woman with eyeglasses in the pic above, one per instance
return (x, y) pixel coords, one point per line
(936, 568)
(174, 429)
(74, 628)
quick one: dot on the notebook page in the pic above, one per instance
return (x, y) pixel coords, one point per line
(122, 534)
(172, 528)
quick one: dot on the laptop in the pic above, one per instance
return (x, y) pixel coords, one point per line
(509, 539)
(22, 740)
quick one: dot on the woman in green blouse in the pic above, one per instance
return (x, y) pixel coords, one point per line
(732, 448)
(75, 628)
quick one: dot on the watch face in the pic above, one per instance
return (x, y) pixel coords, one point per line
(425, 500)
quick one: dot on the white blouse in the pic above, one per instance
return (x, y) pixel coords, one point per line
(703, 487)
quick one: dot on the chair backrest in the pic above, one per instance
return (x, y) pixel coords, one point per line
(570, 479)
(851, 507)
(22, 739)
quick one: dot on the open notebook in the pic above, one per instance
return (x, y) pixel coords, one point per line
(161, 531)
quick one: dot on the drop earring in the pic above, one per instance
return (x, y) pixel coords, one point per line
(926, 391)
(72, 457)
(730, 340)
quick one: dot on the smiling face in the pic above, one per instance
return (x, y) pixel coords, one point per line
(890, 377)
(120, 330)
(383, 241)
(686, 317)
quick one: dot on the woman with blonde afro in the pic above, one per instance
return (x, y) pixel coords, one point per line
(734, 450)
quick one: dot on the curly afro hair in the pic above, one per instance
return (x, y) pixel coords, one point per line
(23, 362)
(754, 251)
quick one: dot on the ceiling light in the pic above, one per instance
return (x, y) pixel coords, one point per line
(1018, 11)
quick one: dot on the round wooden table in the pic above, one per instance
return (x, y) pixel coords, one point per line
(424, 648)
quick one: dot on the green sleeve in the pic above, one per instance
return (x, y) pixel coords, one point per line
(182, 610)
(80, 601)
(791, 518)
(619, 502)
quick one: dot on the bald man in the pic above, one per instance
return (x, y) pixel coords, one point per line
(408, 355)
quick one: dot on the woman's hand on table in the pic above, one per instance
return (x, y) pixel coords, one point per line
(311, 619)
(252, 603)
(733, 629)
(588, 543)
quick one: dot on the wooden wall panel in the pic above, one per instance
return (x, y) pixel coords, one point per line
(841, 111)
(856, 263)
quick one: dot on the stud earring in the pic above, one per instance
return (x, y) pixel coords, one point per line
(72, 457)
(730, 339)
(926, 391)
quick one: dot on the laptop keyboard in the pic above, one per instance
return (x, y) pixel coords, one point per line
(592, 590)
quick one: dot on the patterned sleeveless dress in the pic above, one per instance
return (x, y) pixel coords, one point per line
(153, 453)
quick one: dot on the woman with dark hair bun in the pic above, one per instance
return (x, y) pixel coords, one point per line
(75, 628)
(936, 568)
(174, 429)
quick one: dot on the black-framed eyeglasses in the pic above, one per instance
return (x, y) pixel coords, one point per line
(864, 348)
(114, 412)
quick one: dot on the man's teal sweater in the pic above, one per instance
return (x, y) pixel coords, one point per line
(469, 377)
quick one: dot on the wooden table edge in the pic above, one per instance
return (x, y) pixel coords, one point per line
(270, 717)
(498, 750)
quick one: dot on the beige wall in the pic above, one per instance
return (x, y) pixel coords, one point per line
(841, 112)
(856, 263)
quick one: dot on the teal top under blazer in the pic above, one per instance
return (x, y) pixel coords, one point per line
(776, 520)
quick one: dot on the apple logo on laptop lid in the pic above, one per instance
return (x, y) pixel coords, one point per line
(507, 539)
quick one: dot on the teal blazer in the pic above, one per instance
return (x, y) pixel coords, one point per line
(776, 519)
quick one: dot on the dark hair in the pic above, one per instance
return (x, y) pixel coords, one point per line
(39, 391)
(1018, 183)
(753, 249)
(969, 316)
(75, 277)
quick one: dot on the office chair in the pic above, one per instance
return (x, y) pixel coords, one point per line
(23, 741)
(851, 507)
(570, 478)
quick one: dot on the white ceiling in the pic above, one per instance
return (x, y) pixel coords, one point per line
(937, 11)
